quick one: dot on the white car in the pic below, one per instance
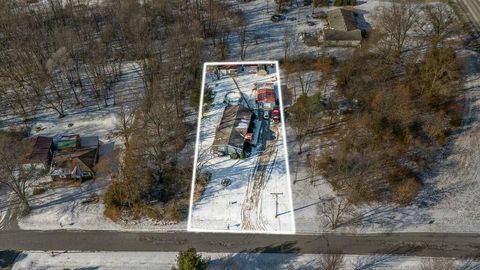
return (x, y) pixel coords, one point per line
(266, 115)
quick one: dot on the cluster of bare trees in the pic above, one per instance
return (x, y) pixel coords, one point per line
(66, 54)
(399, 103)
(404, 105)
(59, 56)
(17, 177)
(407, 26)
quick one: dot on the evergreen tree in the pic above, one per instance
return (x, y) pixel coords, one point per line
(190, 260)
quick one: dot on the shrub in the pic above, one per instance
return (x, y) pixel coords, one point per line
(116, 195)
(406, 191)
(38, 191)
(173, 211)
(195, 96)
(112, 212)
(190, 260)
(200, 184)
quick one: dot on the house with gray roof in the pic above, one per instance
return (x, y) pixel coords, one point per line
(343, 29)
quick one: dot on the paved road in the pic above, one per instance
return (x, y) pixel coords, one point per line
(419, 244)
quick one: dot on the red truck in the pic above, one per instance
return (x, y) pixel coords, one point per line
(276, 115)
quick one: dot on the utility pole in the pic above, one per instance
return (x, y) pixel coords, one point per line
(276, 201)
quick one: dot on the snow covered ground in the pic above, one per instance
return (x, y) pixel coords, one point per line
(36, 260)
(449, 202)
(223, 207)
(270, 36)
(64, 208)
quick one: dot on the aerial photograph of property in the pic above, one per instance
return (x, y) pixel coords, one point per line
(243, 181)
(240, 134)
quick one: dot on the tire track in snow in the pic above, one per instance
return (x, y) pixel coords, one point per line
(252, 205)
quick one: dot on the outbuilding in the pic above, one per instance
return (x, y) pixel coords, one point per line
(343, 29)
(41, 153)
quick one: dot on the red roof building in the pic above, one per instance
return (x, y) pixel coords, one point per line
(266, 98)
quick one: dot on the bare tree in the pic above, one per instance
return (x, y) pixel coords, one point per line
(241, 24)
(282, 4)
(332, 262)
(439, 24)
(394, 22)
(13, 173)
(125, 125)
(288, 41)
(61, 62)
(337, 212)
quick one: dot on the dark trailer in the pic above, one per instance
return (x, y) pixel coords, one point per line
(233, 131)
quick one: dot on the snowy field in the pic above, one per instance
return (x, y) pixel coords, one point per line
(223, 208)
(39, 260)
(65, 208)
(266, 39)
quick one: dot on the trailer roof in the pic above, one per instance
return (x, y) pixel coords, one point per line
(233, 126)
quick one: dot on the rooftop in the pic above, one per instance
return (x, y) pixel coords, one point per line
(354, 35)
(233, 126)
(40, 149)
(342, 19)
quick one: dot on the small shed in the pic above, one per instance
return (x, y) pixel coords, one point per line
(41, 153)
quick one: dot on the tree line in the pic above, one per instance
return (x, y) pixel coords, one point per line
(63, 56)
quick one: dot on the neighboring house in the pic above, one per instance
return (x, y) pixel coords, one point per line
(342, 19)
(335, 38)
(75, 158)
(75, 165)
(343, 29)
(231, 135)
(41, 153)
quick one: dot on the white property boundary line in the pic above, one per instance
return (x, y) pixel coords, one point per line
(197, 143)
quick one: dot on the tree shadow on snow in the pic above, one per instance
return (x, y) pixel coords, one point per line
(269, 257)
(9, 257)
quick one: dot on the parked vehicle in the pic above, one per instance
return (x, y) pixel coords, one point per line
(266, 115)
(277, 18)
(276, 115)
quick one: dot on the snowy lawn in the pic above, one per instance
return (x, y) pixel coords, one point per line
(271, 36)
(67, 208)
(36, 260)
